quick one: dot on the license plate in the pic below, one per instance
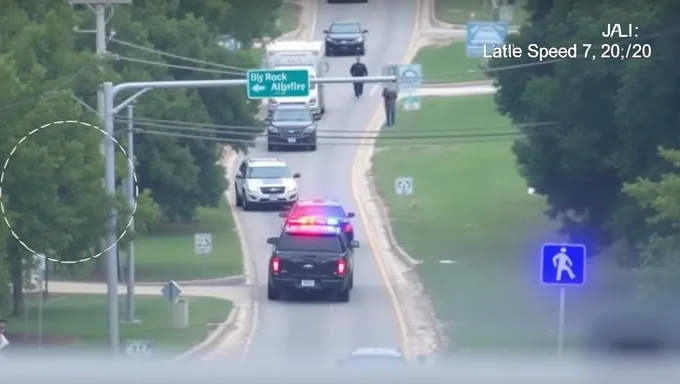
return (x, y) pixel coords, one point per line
(273, 197)
(291, 140)
(307, 283)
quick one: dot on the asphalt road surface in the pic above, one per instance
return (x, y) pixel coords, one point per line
(323, 329)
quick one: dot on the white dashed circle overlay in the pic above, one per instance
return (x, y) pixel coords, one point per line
(2, 179)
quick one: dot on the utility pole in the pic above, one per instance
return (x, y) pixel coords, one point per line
(131, 189)
(99, 7)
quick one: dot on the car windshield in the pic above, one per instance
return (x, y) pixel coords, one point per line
(345, 28)
(278, 172)
(310, 243)
(319, 210)
(293, 114)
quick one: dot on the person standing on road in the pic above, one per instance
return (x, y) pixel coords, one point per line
(390, 101)
(358, 69)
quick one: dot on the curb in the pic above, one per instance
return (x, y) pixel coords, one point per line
(215, 336)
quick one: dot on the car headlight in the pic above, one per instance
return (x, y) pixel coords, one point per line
(292, 189)
(273, 130)
(359, 39)
(252, 188)
(309, 129)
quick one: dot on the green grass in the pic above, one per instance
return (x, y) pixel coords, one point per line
(168, 252)
(79, 322)
(448, 64)
(459, 11)
(289, 17)
(471, 207)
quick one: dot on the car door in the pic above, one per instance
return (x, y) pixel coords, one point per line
(241, 172)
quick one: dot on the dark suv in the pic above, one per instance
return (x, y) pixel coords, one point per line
(291, 126)
(311, 258)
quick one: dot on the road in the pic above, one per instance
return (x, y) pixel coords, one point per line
(323, 329)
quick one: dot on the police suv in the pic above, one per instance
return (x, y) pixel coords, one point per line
(311, 257)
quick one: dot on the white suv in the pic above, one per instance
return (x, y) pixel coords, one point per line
(262, 182)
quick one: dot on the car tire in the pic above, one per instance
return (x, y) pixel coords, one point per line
(239, 199)
(312, 147)
(246, 205)
(351, 282)
(323, 110)
(272, 293)
(344, 296)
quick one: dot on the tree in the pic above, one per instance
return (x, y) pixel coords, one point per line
(660, 267)
(608, 116)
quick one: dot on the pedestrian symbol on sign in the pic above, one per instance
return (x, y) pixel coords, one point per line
(562, 264)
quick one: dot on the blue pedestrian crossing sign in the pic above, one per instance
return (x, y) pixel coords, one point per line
(563, 264)
(484, 33)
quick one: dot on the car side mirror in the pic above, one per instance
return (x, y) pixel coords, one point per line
(325, 31)
(272, 240)
(355, 244)
(283, 215)
(238, 176)
(365, 31)
(296, 176)
(350, 214)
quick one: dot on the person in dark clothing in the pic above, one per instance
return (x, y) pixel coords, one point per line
(358, 69)
(390, 101)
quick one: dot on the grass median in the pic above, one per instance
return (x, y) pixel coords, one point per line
(78, 323)
(289, 17)
(167, 253)
(448, 64)
(473, 224)
(459, 12)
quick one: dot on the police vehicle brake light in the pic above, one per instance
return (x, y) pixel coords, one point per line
(276, 264)
(342, 267)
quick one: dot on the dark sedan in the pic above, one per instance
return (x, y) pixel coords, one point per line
(345, 38)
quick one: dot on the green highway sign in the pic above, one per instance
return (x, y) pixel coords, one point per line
(270, 83)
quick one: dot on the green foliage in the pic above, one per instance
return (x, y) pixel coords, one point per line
(609, 115)
(660, 267)
(53, 188)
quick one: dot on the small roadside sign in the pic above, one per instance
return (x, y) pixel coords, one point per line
(403, 186)
(481, 34)
(171, 291)
(139, 348)
(506, 13)
(202, 243)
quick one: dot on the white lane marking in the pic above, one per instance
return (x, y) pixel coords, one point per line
(374, 89)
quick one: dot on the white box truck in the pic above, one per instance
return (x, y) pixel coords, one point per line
(307, 55)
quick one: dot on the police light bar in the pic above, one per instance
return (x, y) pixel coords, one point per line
(312, 229)
(315, 220)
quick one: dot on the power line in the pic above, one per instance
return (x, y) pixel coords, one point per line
(178, 57)
(453, 139)
(36, 95)
(166, 65)
(216, 128)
